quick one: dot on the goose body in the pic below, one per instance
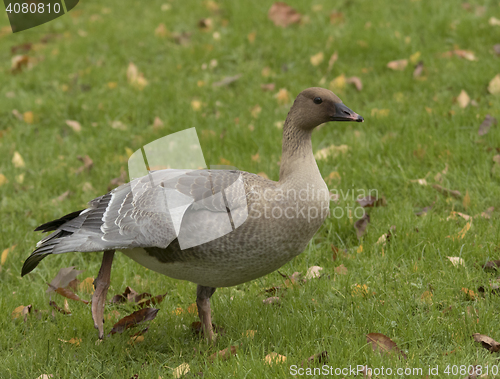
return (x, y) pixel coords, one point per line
(216, 228)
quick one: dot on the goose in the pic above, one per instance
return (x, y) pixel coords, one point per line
(215, 228)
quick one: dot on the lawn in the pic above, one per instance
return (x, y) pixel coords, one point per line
(420, 131)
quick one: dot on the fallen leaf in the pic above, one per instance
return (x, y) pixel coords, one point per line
(17, 160)
(493, 21)
(469, 293)
(313, 272)
(361, 225)
(398, 65)
(28, 117)
(485, 126)
(161, 30)
(356, 81)
(491, 265)
(182, 38)
(196, 105)
(371, 201)
(487, 214)
(496, 49)
(282, 96)
(463, 232)
(58, 308)
(320, 358)
(87, 285)
(281, 14)
(135, 78)
(157, 124)
(453, 216)
(273, 358)
(224, 354)
(341, 270)
(75, 125)
(87, 164)
(227, 80)
(21, 311)
(5, 253)
(73, 341)
(359, 290)
(466, 200)
(3, 179)
(487, 342)
(427, 297)
(251, 37)
(338, 84)
(62, 197)
(205, 23)
(22, 48)
(383, 344)
(422, 182)
(249, 334)
(18, 62)
(316, 59)
(271, 300)
(268, 87)
(332, 60)
(69, 294)
(255, 111)
(494, 85)
(145, 314)
(456, 261)
(63, 278)
(331, 151)
(463, 99)
(181, 370)
(336, 17)
(446, 191)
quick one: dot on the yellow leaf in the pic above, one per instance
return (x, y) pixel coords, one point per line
(466, 200)
(360, 290)
(3, 179)
(266, 72)
(5, 253)
(360, 249)
(87, 285)
(181, 370)
(273, 357)
(135, 78)
(338, 84)
(463, 99)
(193, 309)
(282, 96)
(28, 117)
(196, 105)
(161, 30)
(135, 339)
(415, 57)
(316, 59)
(256, 157)
(112, 85)
(469, 293)
(249, 333)
(494, 86)
(20, 178)
(464, 230)
(427, 297)
(398, 65)
(493, 21)
(17, 160)
(73, 341)
(178, 311)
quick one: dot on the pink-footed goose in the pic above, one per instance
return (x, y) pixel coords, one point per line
(278, 219)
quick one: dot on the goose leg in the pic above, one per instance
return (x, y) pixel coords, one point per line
(101, 285)
(203, 295)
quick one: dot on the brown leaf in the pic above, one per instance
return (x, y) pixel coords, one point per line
(341, 270)
(469, 294)
(69, 294)
(418, 69)
(491, 265)
(487, 213)
(356, 81)
(371, 201)
(361, 225)
(18, 62)
(182, 38)
(446, 191)
(336, 17)
(21, 311)
(63, 278)
(398, 65)
(496, 49)
(383, 344)
(485, 126)
(223, 355)
(320, 358)
(268, 87)
(226, 81)
(487, 342)
(281, 14)
(205, 23)
(58, 308)
(424, 211)
(23, 48)
(87, 164)
(272, 300)
(145, 314)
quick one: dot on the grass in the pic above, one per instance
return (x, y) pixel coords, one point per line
(423, 132)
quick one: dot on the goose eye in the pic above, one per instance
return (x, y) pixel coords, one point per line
(318, 100)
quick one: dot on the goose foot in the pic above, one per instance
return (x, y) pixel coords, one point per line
(101, 285)
(203, 295)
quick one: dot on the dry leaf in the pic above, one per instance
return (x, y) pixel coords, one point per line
(73, 341)
(320, 358)
(383, 344)
(75, 125)
(469, 293)
(331, 151)
(251, 37)
(282, 96)
(494, 86)
(28, 117)
(181, 370)
(255, 111)
(61, 197)
(58, 308)
(249, 334)
(487, 213)
(5, 253)
(466, 200)
(267, 87)
(446, 191)
(465, 229)
(3, 179)
(135, 78)
(371, 201)
(485, 126)
(17, 160)
(341, 270)
(63, 278)
(87, 285)
(487, 342)
(18, 62)
(316, 59)
(338, 84)
(87, 164)
(496, 49)
(21, 311)
(361, 225)
(463, 99)
(418, 69)
(271, 300)
(196, 105)
(336, 17)
(69, 294)
(273, 358)
(281, 14)
(223, 355)
(359, 290)
(313, 272)
(422, 182)
(227, 80)
(356, 81)
(161, 31)
(332, 60)
(453, 216)
(456, 261)
(145, 314)
(398, 65)
(493, 21)
(427, 297)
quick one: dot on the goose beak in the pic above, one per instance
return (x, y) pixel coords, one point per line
(342, 113)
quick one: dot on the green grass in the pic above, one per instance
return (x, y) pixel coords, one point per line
(69, 81)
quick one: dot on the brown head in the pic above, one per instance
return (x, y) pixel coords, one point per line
(315, 106)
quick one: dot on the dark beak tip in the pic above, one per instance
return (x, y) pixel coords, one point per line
(360, 119)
